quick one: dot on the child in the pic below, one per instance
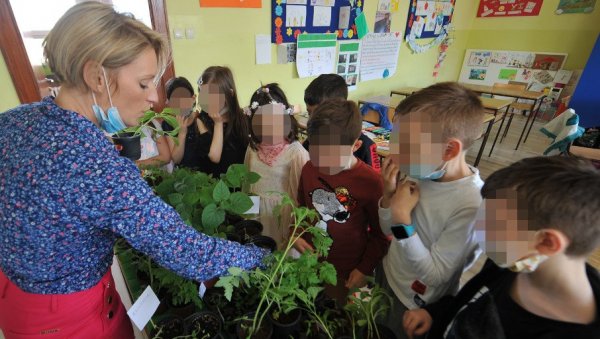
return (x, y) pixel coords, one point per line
(541, 223)
(329, 86)
(345, 192)
(431, 216)
(219, 134)
(275, 154)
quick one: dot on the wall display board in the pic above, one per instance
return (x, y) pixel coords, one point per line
(289, 18)
(486, 67)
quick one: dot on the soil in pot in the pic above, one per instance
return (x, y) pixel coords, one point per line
(246, 229)
(265, 331)
(263, 241)
(287, 325)
(168, 325)
(203, 324)
(128, 145)
(384, 333)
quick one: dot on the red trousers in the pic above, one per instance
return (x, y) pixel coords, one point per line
(94, 313)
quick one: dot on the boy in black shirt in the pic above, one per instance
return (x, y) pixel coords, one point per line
(330, 86)
(542, 221)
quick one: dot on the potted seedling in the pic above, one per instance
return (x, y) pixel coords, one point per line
(203, 324)
(127, 141)
(365, 307)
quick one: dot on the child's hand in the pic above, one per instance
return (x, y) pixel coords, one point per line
(404, 201)
(356, 279)
(416, 322)
(302, 245)
(390, 174)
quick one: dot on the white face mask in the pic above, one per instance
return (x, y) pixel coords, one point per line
(424, 172)
(527, 264)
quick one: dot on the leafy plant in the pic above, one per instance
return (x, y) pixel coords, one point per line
(168, 115)
(285, 283)
(365, 306)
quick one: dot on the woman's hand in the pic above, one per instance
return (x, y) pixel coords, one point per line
(416, 322)
(356, 279)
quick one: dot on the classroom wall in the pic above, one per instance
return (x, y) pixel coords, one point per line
(226, 37)
(574, 34)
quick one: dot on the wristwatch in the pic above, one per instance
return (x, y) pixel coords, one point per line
(402, 231)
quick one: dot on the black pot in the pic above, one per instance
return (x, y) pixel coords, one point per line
(264, 332)
(128, 145)
(246, 229)
(182, 311)
(384, 333)
(169, 326)
(287, 325)
(234, 237)
(207, 324)
(263, 241)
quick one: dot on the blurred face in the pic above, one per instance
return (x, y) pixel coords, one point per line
(416, 144)
(182, 101)
(135, 90)
(269, 123)
(327, 153)
(210, 98)
(504, 222)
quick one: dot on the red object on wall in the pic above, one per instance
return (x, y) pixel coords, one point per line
(497, 8)
(231, 3)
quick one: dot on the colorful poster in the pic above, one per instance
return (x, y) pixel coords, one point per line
(520, 60)
(507, 74)
(349, 62)
(383, 22)
(499, 58)
(427, 18)
(575, 6)
(504, 8)
(481, 59)
(315, 54)
(379, 55)
(563, 76)
(543, 76)
(549, 62)
(231, 3)
(477, 74)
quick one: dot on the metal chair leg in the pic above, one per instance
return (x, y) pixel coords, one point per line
(507, 127)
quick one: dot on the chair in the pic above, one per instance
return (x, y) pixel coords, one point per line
(522, 107)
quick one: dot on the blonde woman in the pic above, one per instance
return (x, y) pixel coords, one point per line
(66, 195)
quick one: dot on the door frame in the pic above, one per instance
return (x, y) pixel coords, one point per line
(21, 73)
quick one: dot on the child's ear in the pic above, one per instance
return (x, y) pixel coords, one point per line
(551, 241)
(452, 150)
(357, 145)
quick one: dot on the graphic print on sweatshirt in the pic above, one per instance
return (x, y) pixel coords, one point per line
(332, 204)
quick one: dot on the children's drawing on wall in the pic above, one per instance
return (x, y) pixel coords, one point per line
(524, 75)
(481, 59)
(520, 60)
(344, 19)
(499, 58)
(383, 22)
(543, 77)
(575, 6)
(321, 16)
(477, 74)
(426, 19)
(563, 76)
(295, 16)
(503, 8)
(507, 74)
(550, 62)
(348, 62)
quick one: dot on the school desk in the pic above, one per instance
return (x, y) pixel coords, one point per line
(529, 95)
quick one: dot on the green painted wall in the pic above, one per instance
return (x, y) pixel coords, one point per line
(226, 37)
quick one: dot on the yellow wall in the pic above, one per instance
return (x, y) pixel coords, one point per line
(226, 37)
(574, 34)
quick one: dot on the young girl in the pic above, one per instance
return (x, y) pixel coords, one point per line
(275, 154)
(222, 126)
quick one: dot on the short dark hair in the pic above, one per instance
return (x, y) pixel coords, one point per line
(333, 118)
(458, 110)
(178, 82)
(560, 193)
(325, 86)
(263, 96)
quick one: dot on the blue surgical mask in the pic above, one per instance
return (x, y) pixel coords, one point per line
(111, 120)
(424, 172)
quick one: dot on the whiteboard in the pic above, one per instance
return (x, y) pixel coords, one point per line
(486, 67)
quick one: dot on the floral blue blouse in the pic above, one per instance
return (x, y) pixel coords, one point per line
(65, 197)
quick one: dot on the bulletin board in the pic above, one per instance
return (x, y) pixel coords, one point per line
(426, 19)
(486, 67)
(289, 18)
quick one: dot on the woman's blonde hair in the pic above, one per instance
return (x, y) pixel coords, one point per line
(94, 31)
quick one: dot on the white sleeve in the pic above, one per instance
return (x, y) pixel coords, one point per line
(447, 254)
(385, 219)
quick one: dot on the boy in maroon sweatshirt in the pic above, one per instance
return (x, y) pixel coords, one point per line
(345, 191)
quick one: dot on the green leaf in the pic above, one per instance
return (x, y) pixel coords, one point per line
(328, 274)
(239, 202)
(206, 196)
(252, 178)
(175, 198)
(212, 216)
(234, 175)
(225, 283)
(221, 192)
